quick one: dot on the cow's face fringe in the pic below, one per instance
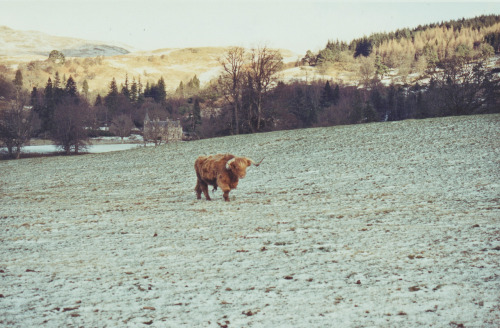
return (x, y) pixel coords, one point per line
(238, 165)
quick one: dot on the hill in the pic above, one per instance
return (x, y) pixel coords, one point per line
(386, 224)
(99, 63)
(407, 53)
(25, 43)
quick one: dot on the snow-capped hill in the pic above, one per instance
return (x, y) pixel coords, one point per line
(93, 50)
(16, 42)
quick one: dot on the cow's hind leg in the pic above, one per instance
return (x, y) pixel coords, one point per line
(204, 189)
(198, 189)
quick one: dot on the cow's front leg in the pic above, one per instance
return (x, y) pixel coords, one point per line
(226, 189)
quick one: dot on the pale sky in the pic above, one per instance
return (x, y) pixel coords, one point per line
(297, 25)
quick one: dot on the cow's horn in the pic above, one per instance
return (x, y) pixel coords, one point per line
(256, 164)
(229, 163)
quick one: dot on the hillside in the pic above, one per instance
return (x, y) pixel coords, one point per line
(405, 53)
(99, 63)
(174, 65)
(374, 225)
(23, 43)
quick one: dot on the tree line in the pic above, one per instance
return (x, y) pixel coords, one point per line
(248, 97)
(460, 84)
(406, 47)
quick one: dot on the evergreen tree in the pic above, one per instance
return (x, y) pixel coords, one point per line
(46, 112)
(113, 88)
(193, 85)
(400, 106)
(133, 91)
(49, 93)
(180, 90)
(98, 100)
(336, 95)
(380, 68)
(85, 89)
(304, 106)
(156, 91)
(139, 87)
(140, 93)
(391, 103)
(162, 92)
(147, 90)
(356, 114)
(196, 117)
(70, 88)
(431, 56)
(363, 48)
(34, 101)
(37, 101)
(57, 81)
(493, 39)
(377, 100)
(18, 80)
(327, 95)
(57, 90)
(196, 82)
(125, 88)
(111, 99)
(369, 113)
(421, 107)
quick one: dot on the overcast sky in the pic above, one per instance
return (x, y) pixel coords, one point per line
(297, 25)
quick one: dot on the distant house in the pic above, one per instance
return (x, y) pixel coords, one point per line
(161, 131)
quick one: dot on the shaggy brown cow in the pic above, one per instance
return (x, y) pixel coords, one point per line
(221, 170)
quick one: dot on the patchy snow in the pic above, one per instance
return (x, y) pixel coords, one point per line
(375, 225)
(98, 145)
(209, 75)
(45, 149)
(298, 74)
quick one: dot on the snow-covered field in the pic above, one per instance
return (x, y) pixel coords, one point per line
(376, 225)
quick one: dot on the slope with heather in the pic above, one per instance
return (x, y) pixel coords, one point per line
(98, 63)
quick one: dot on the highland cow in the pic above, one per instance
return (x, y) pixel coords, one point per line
(221, 170)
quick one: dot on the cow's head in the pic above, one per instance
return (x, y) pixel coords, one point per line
(238, 165)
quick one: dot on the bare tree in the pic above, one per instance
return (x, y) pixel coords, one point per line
(264, 65)
(154, 131)
(466, 86)
(70, 122)
(155, 122)
(122, 126)
(231, 81)
(366, 70)
(16, 125)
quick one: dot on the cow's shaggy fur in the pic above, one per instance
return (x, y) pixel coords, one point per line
(221, 170)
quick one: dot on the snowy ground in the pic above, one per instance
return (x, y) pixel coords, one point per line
(105, 148)
(96, 146)
(377, 225)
